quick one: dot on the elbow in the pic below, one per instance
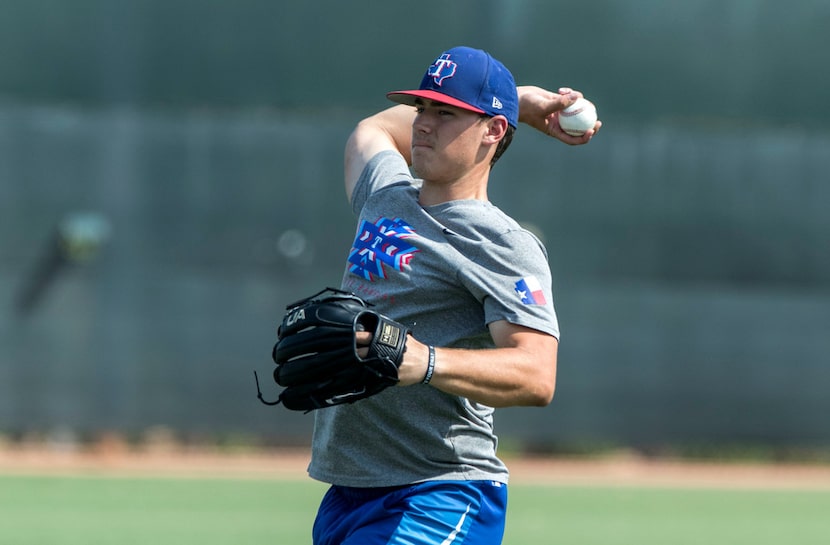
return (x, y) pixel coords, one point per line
(548, 399)
(542, 395)
(540, 381)
(538, 394)
(543, 387)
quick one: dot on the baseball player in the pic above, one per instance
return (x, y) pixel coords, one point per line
(417, 463)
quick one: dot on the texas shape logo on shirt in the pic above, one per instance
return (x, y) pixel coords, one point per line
(379, 245)
(530, 291)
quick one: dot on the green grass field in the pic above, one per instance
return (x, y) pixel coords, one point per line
(90, 510)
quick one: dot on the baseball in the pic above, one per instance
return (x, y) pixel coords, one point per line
(578, 117)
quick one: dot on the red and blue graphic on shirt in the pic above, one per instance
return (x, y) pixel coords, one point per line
(530, 291)
(379, 245)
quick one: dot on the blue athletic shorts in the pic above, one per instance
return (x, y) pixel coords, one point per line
(429, 513)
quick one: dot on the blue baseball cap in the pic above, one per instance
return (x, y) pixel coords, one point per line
(470, 79)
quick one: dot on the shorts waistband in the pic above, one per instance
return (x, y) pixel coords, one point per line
(359, 494)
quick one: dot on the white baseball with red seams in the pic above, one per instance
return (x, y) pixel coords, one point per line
(578, 117)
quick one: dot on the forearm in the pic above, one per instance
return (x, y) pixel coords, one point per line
(390, 129)
(498, 377)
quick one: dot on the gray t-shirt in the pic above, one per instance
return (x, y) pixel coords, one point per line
(446, 272)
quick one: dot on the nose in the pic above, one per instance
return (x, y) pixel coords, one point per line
(421, 123)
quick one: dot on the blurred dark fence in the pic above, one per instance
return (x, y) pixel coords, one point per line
(689, 241)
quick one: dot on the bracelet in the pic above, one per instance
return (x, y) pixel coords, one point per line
(430, 365)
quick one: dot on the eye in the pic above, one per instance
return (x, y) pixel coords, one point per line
(419, 109)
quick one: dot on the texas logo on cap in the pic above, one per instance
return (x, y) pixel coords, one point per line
(470, 79)
(442, 68)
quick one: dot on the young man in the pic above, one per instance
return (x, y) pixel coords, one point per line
(417, 463)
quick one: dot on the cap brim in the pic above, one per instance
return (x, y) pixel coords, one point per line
(409, 98)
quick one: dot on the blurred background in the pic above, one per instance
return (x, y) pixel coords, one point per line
(170, 178)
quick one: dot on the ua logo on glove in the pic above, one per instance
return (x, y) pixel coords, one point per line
(390, 335)
(295, 317)
(318, 364)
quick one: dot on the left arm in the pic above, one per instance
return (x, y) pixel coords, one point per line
(521, 370)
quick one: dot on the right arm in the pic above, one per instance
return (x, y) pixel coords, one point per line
(390, 129)
(539, 108)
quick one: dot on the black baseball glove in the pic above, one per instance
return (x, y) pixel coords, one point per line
(316, 352)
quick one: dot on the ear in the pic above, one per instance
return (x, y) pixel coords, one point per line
(496, 129)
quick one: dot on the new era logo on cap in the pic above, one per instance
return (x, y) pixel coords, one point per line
(467, 78)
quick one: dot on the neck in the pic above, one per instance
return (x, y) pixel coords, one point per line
(473, 186)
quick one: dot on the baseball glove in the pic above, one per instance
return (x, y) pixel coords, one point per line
(316, 352)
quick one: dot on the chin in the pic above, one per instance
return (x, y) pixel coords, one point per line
(418, 168)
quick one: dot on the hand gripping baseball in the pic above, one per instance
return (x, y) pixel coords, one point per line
(541, 109)
(317, 357)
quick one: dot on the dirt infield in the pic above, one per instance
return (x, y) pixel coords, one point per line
(629, 470)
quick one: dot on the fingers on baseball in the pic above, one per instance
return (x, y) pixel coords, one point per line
(556, 131)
